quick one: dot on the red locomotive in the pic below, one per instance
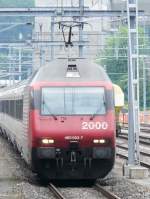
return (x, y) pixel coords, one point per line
(62, 120)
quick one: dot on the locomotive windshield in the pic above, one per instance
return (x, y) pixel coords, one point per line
(73, 101)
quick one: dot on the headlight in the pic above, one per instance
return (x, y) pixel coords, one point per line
(47, 141)
(99, 141)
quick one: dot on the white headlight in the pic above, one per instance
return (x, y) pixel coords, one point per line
(47, 141)
(51, 141)
(100, 141)
(95, 141)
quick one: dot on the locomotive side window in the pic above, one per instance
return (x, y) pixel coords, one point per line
(73, 101)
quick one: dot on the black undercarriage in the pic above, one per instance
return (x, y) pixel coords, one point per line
(63, 164)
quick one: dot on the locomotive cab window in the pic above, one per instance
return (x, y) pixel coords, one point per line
(73, 101)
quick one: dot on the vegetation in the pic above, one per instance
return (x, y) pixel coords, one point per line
(114, 59)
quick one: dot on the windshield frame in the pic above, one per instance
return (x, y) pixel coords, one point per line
(89, 114)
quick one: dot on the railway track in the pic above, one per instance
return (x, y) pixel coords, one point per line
(123, 154)
(107, 194)
(143, 127)
(144, 139)
(56, 191)
(144, 164)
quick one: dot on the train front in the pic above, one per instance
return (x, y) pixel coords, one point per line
(72, 126)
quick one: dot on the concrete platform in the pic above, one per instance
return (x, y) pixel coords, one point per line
(135, 172)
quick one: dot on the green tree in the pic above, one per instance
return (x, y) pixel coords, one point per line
(114, 57)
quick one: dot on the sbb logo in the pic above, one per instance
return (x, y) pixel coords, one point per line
(94, 125)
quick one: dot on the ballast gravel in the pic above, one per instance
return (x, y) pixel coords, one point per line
(17, 181)
(124, 188)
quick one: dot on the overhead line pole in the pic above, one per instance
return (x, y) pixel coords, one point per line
(20, 62)
(81, 5)
(133, 84)
(52, 37)
(144, 88)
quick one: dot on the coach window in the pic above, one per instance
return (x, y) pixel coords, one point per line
(0, 106)
(4, 103)
(19, 109)
(16, 108)
(7, 106)
(12, 108)
(3, 106)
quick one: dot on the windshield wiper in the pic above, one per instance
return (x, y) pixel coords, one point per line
(99, 108)
(94, 114)
(48, 109)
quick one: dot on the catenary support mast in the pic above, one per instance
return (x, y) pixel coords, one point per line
(133, 83)
(81, 5)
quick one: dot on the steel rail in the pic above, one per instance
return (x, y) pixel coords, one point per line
(145, 129)
(142, 124)
(125, 125)
(146, 141)
(126, 148)
(55, 191)
(126, 157)
(106, 193)
(144, 136)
